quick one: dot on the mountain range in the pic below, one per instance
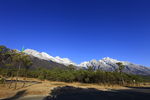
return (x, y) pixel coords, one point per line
(43, 59)
(45, 56)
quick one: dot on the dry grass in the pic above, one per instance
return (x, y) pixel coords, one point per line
(45, 87)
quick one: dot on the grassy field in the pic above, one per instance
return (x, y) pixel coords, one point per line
(46, 87)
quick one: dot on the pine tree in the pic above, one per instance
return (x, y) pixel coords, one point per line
(120, 68)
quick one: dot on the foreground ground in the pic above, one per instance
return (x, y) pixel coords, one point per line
(48, 90)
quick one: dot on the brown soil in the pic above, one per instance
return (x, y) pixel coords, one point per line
(45, 87)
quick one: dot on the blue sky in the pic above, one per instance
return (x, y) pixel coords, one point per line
(79, 29)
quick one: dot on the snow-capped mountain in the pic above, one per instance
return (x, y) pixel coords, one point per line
(99, 63)
(109, 64)
(45, 56)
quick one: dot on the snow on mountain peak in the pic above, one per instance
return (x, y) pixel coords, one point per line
(45, 56)
(106, 63)
(95, 62)
(108, 59)
(66, 61)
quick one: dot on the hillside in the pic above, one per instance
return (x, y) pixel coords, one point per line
(109, 64)
(106, 64)
(36, 62)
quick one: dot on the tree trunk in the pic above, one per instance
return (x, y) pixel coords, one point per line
(5, 76)
(17, 76)
(11, 81)
(24, 80)
(123, 83)
(4, 82)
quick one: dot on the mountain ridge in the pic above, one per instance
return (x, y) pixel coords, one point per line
(45, 56)
(107, 63)
(28, 51)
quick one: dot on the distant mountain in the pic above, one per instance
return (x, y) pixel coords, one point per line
(109, 64)
(45, 56)
(45, 63)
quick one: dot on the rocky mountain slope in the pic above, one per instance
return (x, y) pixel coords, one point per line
(47, 57)
(109, 64)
